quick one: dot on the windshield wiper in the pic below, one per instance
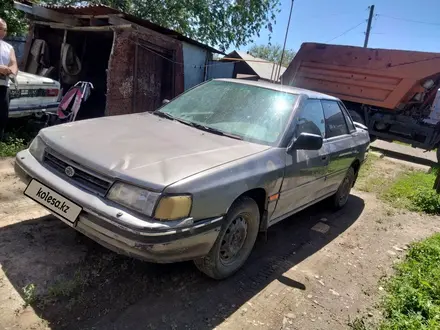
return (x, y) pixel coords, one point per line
(214, 130)
(163, 115)
(195, 125)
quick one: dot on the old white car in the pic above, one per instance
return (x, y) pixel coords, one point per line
(32, 95)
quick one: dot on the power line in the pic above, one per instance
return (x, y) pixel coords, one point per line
(345, 32)
(409, 20)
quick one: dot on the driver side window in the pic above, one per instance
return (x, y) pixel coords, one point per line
(310, 119)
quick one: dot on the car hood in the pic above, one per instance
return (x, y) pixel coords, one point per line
(144, 149)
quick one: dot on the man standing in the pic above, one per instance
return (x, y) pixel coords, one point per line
(8, 66)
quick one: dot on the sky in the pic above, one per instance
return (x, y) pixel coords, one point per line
(393, 25)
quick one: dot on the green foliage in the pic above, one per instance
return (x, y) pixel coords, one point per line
(414, 191)
(29, 294)
(15, 19)
(413, 299)
(221, 23)
(273, 53)
(11, 146)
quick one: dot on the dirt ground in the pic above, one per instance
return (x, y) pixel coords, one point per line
(317, 270)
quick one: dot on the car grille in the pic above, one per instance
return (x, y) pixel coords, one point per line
(82, 178)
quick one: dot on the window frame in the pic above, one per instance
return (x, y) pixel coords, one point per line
(325, 119)
(301, 108)
(347, 117)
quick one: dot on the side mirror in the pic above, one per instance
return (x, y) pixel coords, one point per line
(307, 141)
(165, 101)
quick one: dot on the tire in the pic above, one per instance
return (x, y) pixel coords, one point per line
(243, 218)
(340, 198)
(437, 152)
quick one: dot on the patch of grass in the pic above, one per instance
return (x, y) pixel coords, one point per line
(414, 191)
(413, 294)
(369, 179)
(65, 288)
(29, 294)
(11, 146)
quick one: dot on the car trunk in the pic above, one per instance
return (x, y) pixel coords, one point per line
(32, 93)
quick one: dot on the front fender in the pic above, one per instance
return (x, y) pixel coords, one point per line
(215, 190)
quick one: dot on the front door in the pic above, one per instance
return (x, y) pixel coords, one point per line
(305, 169)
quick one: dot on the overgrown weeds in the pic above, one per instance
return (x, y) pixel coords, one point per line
(414, 191)
(11, 146)
(413, 294)
(400, 186)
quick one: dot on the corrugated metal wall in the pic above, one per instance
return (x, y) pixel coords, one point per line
(218, 69)
(18, 44)
(195, 59)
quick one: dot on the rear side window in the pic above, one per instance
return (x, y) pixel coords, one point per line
(334, 119)
(310, 119)
(348, 118)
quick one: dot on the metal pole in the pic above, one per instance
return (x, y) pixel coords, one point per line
(271, 74)
(367, 33)
(285, 40)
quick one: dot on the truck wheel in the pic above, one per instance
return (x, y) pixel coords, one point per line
(343, 192)
(234, 242)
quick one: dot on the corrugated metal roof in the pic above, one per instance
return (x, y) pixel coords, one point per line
(93, 10)
(99, 10)
(264, 69)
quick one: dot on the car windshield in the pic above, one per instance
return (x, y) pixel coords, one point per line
(251, 113)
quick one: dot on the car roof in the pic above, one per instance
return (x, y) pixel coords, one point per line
(282, 88)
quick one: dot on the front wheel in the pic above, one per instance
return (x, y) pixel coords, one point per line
(234, 242)
(341, 196)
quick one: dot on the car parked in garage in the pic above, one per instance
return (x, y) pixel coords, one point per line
(201, 176)
(32, 95)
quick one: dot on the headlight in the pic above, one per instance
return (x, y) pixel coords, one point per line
(37, 148)
(135, 198)
(173, 207)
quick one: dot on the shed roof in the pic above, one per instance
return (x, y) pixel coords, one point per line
(102, 10)
(263, 68)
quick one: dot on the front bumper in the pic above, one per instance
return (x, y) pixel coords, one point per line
(123, 232)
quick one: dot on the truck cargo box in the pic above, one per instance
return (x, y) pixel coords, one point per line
(390, 79)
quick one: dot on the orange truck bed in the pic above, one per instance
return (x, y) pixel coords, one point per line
(378, 77)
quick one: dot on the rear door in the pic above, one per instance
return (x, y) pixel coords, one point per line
(305, 169)
(340, 143)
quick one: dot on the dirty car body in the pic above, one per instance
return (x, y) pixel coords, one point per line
(32, 95)
(162, 186)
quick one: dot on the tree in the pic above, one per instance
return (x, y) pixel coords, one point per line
(221, 23)
(17, 25)
(272, 53)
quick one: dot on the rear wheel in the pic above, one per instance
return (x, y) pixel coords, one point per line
(343, 192)
(234, 242)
